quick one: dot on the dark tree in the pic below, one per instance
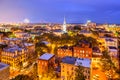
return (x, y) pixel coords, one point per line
(79, 73)
(22, 77)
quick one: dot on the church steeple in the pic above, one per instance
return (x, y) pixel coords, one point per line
(64, 26)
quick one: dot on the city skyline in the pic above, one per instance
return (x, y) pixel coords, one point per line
(45, 11)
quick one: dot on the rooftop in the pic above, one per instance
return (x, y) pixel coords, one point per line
(45, 42)
(2, 66)
(111, 40)
(57, 30)
(13, 49)
(85, 31)
(112, 47)
(77, 61)
(46, 56)
(28, 44)
(11, 39)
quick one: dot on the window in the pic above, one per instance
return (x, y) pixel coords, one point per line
(72, 68)
(67, 72)
(80, 51)
(83, 51)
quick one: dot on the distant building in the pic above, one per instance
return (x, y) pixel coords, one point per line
(64, 26)
(109, 41)
(44, 63)
(113, 51)
(4, 71)
(64, 51)
(57, 32)
(22, 35)
(1, 36)
(104, 33)
(11, 41)
(69, 65)
(5, 29)
(86, 33)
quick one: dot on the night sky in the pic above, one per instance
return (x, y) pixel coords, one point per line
(75, 11)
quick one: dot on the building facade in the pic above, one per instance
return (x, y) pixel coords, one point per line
(4, 71)
(44, 63)
(69, 66)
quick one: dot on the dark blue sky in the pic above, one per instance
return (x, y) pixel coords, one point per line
(75, 11)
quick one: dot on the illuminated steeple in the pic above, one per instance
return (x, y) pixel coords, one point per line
(64, 26)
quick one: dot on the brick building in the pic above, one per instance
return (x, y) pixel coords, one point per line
(44, 62)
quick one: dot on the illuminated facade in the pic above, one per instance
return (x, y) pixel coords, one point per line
(44, 62)
(13, 57)
(111, 42)
(69, 65)
(83, 51)
(16, 56)
(4, 71)
(64, 51)
(5, 29)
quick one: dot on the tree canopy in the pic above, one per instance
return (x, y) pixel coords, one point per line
(22, 77)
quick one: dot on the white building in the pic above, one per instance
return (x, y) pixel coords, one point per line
(64, 26)
(111, 42)
(113, 52)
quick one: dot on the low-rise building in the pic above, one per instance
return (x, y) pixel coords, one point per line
(17, 56)
(80, 51)
(4, 71)
(5, 29)
(86, 33)
(44, 63)
(111, 42)
(65, 51)
(113, 51)
(69, 66)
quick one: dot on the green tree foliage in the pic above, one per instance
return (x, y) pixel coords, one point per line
(41, 48)
(79, 73)
(95, 33)
(51, 71)
(64, 39)
(22, 77)
(108, 65)
(34, 72)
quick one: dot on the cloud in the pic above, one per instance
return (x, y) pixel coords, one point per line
(54, 10)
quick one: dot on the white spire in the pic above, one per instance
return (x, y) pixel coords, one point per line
(64, 26)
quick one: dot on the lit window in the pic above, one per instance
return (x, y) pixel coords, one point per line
(83, 51)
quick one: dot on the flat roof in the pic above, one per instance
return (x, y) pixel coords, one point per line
(83, 62)
(13, 49)
(111, 40)
(77, 61)
(112, 47)
(46, 56)
(3, 65)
